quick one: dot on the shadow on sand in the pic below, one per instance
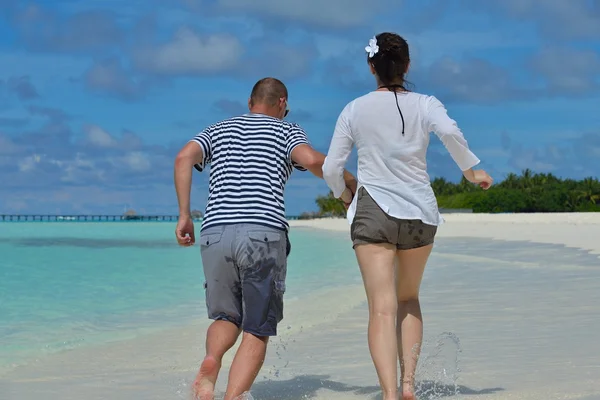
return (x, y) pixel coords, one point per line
(307, 386)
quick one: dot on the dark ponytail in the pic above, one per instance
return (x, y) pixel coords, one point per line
(390, 63)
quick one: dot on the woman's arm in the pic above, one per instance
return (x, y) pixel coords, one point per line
(451, 136)
(339, 151)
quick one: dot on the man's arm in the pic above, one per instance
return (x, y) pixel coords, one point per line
(190, 155)
(313, 160)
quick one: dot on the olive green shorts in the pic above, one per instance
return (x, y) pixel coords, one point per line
(372, 225)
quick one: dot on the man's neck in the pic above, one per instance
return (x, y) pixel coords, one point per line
(264, 110)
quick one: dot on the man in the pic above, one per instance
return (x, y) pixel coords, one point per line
(244, 241)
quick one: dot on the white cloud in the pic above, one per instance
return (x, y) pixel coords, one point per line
(99, 137)
(29, 163)
(561, 19)
(109, 76)
(187, 53)
(137, 161)
(78, 169)
(90, 30)
(568, 70)
(329, 13)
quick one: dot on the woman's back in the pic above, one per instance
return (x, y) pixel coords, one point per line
(391, 134)
(384, 153)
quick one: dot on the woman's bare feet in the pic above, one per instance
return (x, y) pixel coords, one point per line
(204, 385)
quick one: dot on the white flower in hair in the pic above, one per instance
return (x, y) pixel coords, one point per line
(372, 48)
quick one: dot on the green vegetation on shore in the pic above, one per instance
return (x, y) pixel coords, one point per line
(525, 193)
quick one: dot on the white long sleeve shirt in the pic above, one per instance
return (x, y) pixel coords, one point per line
(392, 167)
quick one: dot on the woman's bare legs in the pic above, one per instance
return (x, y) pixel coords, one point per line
(409, 324)
(376, 263)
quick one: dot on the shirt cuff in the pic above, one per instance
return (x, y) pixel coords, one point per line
(334, 177)
(469, 162)
(200, 167)
(292, 147)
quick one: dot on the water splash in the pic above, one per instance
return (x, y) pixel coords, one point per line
(437, 371)
(280, 348)
(244, 396)
(183, 389)
(438, 368)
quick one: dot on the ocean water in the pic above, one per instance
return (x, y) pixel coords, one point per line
(68, 285)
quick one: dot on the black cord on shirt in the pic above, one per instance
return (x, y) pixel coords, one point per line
(393, 89)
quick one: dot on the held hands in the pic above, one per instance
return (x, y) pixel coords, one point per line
(351, 186)
(185, 232)
(347, 197)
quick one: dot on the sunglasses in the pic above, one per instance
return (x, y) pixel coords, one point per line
(287, 108)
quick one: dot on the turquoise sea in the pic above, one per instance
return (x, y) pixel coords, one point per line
(67, 284)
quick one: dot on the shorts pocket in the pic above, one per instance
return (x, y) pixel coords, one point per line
(264, 236)
(210, 238)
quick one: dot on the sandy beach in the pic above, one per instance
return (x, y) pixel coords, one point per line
(577, 230)
(510, 305)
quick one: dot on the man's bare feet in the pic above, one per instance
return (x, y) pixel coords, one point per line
(408, 395)
(408, 391)
(204, 385)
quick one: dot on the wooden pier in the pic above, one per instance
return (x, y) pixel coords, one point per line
(87, 218)
(95, 218)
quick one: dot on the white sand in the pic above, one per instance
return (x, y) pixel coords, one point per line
(577, 230)
(526, 316)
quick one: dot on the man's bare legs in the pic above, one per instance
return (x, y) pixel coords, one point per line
(376, 263)
(246, 365)
(220, 337)
(409, 323)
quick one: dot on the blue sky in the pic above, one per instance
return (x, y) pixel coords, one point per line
(97, 97)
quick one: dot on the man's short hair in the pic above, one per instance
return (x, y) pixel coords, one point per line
(268, 91)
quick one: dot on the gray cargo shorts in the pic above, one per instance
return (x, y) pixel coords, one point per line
(245, 266)
(372, 225)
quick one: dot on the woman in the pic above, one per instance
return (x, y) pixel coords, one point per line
(394, 213)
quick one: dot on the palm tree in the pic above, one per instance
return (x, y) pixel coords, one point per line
(526, 179)
(329, 205)
(465, 185)
(441, 186)
(539, 179)
(590, 190)
(511, 181)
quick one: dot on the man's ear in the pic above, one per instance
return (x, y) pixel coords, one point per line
(249, 103)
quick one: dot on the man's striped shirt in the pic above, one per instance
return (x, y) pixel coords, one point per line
(250, 163)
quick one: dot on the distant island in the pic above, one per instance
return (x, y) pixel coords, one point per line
(525, 193)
